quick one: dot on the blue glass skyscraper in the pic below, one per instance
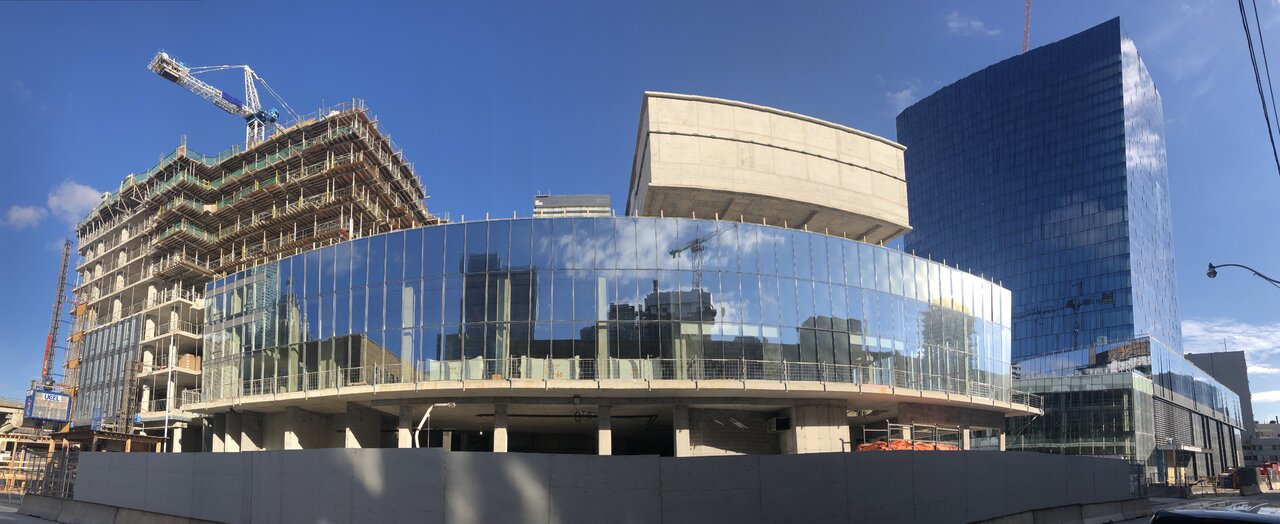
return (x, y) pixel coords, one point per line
(1046, 171)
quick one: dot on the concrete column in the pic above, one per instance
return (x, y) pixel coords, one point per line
(1002, 440)
(362, 427)
(219, 433)
(231, 434)
(251, 432)
(500, 428)
(604, 430)
(680, 422)
(446, 440)
(966, 439)
(292, 422)
(175, 440)
(404, 431)
(817, 427)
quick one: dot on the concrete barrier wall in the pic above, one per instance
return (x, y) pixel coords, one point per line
(392, 485)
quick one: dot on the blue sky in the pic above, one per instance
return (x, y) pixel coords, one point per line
(494, 102)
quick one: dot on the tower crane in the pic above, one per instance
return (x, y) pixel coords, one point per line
(695, 248)
(46, 368)
(257, 119)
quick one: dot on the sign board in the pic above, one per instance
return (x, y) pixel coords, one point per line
(47, 405)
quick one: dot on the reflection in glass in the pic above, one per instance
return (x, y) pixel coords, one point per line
(606, 297)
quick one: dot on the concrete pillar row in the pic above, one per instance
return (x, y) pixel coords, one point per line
(404, 430)
(604, 430)
(500, 428)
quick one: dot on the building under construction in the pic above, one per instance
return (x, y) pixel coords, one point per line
(148, 249)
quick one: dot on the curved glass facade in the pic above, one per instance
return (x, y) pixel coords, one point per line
(604, 298)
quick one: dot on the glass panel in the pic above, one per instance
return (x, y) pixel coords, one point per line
(544, 244)
(499, 245)
(521, 238)
(476, 258)
(433, 252)
(802, 255)
(413, 264)
(394, 256)
(377, 259)
(819, 258)
(454, 248)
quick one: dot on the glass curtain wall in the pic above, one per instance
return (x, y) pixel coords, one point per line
(615, 298)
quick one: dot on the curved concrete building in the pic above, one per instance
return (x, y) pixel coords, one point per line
(714, 158)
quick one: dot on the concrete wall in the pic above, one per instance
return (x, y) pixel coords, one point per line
(723, 432)
(429, 485)
(709, 156)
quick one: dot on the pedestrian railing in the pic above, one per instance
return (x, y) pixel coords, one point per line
(641, 369)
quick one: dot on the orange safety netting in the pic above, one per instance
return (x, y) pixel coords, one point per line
(906, 445)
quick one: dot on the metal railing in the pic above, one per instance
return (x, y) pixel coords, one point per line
(645, 369)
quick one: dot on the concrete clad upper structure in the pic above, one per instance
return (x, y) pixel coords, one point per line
(710, 157)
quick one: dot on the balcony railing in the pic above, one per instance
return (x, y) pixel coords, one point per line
(647, 369)
(180, 326)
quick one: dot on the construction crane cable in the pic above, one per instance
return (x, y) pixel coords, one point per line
(209, 69)
(277, 97)
(1266, 64)
(1257, 76)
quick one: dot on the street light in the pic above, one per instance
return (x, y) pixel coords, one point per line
(1213, 272)
(426, 419)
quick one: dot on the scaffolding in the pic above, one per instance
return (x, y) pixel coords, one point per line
(148, 249)
(21, 461)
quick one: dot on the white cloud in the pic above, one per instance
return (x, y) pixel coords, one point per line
(23, 93)
(22, 217)
(1266, 396)
(1263, 369)
(900, 99)
(21, 90)
(1260, 342)
(72, 200)
(958, 24)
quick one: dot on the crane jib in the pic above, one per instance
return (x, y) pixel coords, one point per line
(231, 99)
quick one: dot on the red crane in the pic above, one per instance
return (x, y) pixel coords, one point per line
(46, 369)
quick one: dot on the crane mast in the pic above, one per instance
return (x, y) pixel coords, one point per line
(59, 298)
(256, 119)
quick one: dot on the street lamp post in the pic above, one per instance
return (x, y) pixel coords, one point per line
(1213, 272)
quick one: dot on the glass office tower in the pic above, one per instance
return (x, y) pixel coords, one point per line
(1046, 172)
